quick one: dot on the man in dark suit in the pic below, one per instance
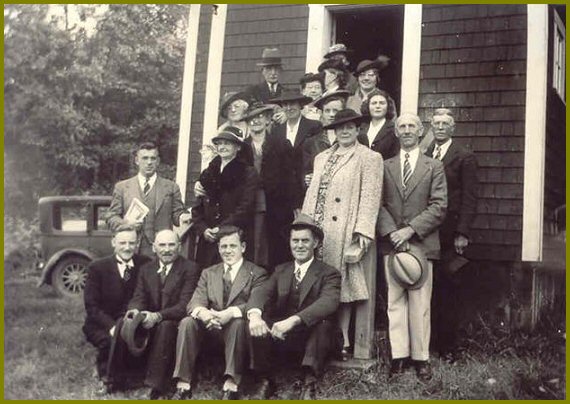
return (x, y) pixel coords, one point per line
(297, 129)
(294, 312)
(164, 287)
(217, 310)
(414, 202)
(460, 167)
(109, 287)
(161, 196)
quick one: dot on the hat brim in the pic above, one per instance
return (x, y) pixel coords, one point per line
(356, 119)
(376, 64)
(135, 336)
(319, 102)
(301, 99)
(228, 137)
(336, 52)
(242, 95)
(418, 254)
(257, 111)
(270, 63)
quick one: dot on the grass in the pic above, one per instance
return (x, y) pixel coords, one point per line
(46, 357)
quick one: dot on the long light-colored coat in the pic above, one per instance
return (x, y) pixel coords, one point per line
(351, 206)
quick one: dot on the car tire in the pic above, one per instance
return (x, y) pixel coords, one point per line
(69, 276)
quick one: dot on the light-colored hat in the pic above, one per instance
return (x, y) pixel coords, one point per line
(270, 57)
(336, 49)
(231, 133)
(409, 268)
(304, 221)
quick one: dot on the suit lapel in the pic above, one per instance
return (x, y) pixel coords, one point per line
(382, 132)
(422, 167)
(393, 168)
(301, 132)
(240, 281)
(134, 190)
(285, 280)
(160, 193)
(307, 282)
(450, 155)
(171, 281)
(218, 285)
(154, 283)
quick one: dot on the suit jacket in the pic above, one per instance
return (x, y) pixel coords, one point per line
(261, 92)
(169, 205)
(385, 142)
(210, 290)
(311, 147)
(460, 167)
(106, 294)
(422, 205)
(169, 300)
(319, 293)
(307, 128)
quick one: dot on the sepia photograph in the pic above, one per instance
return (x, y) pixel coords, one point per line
(285, 201)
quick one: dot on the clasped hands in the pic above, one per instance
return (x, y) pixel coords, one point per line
(213, 319)
(400, 237)
(258, 327)
(150, 318)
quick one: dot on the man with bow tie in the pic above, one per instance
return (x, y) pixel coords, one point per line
(294, 315)
(109, 287)
(414, 203)
(164, 287)
(460, 167)
(217, 312)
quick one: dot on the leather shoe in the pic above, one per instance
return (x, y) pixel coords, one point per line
(423, 371)
(182, 394)
(309, 391)
(265, 390)
(230, 395)
(154, 394)
(398, 366)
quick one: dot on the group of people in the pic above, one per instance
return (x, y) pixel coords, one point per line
(290, 216)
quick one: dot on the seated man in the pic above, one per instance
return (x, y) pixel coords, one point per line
(217, 310)
(164, 287)
(109, 287)
(297, 309)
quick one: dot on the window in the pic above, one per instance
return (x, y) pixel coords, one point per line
(100, 215)
(559, 56)
(71, 218)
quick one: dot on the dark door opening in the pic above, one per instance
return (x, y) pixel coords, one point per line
(370, 31)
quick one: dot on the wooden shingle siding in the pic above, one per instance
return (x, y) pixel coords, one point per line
(473, 60)
(200, 76)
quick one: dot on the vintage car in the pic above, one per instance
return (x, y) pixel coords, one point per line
(73, 232)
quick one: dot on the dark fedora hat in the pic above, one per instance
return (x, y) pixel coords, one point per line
(304, 221)
(409, 268)
(134, 334)
(344, 116)
(230, 133)
(381, 62)
(257, 108)
(332, 64)
(291, 96)
(319, 102)
(270, 57)
(230, 97)
(336, 49)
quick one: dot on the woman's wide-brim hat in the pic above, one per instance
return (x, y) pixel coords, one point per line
(257, 108)
(270, 57)
(408, 268)
(332, 64)
(380, 63)
(291, 96)
(134, 334)
(305, 221)
(319, 102)
(231, 97)
(336, 49)
(230, 133)
(345, 116)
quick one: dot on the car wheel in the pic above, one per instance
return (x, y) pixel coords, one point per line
(69, 276)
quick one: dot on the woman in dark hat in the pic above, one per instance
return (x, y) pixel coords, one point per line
(229, 186)
(379, 132)
(232, 108)
(336, 75)
(343, 199)
(368, 74)
(312, 85)
(273, 160)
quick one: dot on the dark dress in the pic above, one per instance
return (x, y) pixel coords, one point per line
(230, 200)
(385, 142)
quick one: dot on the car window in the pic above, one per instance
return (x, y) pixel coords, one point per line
(71, 218)
(100, 214)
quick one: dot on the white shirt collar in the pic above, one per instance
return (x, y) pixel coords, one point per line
(235, 268)
(122, 265)
(304, 267)
(142, 180)
(292, 131)
(413, 158)
(444, 148)
(373, 130)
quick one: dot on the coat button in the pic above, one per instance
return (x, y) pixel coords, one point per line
(337, 199)
(334, 218)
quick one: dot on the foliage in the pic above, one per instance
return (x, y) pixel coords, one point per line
(78, 99)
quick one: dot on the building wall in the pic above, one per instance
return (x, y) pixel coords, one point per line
(473, 60)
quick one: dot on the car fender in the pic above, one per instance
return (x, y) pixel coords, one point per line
(50, 265)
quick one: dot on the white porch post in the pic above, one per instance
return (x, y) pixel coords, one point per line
(411, 58)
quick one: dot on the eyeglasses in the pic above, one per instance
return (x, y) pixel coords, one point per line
(369, 75)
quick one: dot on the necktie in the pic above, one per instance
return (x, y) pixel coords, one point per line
(162, 274)
(297, 276)
(146, 189)
(128, 272)
(437, 153)
(227, 278)
(407, 169)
